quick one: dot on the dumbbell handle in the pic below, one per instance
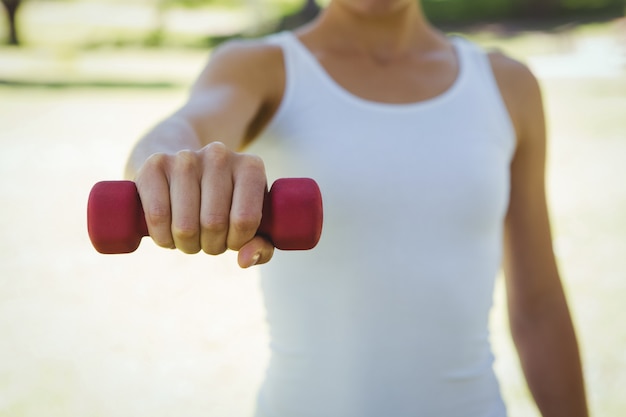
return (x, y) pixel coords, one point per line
(292, 215)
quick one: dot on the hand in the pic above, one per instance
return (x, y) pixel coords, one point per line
(209, 200)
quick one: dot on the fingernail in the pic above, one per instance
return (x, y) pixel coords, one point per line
(255, 259)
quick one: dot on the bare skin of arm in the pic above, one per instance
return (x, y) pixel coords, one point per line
(198, 191)
(539, 316)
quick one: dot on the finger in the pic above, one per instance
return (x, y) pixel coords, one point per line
(217, 189)
(185, 202)
(256, 252)
(153, 188)
(247, 203)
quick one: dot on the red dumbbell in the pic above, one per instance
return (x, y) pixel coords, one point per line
(292, 215)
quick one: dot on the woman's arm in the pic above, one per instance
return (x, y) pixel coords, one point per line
(234, 94)
(539, 316)
(197, 191)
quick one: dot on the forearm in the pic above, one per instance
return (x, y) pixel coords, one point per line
(170, 136)
(550, 358)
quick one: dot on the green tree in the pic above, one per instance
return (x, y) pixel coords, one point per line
(156, 38)
(540, 8)
(309, 11)
(11, 7)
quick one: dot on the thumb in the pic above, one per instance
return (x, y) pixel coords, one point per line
(256, 252)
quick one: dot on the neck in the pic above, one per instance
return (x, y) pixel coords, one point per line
(383, 34)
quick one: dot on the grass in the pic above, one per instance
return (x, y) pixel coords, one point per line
(93, 335)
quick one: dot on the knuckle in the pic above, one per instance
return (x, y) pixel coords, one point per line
(186, 161)
(158, 215)
(214, 231)
(245, 223)
(157, 161)
(154, 164)
(241, 232)
(217, 154)
(214, 224)
(254, 162)
(185, 231)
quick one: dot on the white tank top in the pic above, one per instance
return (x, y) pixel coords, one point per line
(388, 315)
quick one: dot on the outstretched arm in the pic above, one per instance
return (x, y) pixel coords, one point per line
(197, 191)
(539, 316)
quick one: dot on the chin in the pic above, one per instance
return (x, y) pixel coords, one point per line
(376, 7)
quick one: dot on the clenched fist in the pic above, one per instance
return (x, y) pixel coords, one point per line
(210, 199)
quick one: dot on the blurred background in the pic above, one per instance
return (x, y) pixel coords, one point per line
(161, 333)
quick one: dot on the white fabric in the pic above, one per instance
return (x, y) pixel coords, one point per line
(388, 316)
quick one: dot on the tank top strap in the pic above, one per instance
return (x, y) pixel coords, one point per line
(484, 84)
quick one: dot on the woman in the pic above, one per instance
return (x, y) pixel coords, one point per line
(430, 156)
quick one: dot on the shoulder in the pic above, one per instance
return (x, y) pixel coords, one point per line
(512, 75)
(252, 64)
(246, 52)
(520, 91)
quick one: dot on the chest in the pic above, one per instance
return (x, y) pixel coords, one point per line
(411, 173)
(401, 80)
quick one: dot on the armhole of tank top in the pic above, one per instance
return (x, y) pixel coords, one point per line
(482, 58)
(282, 40)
